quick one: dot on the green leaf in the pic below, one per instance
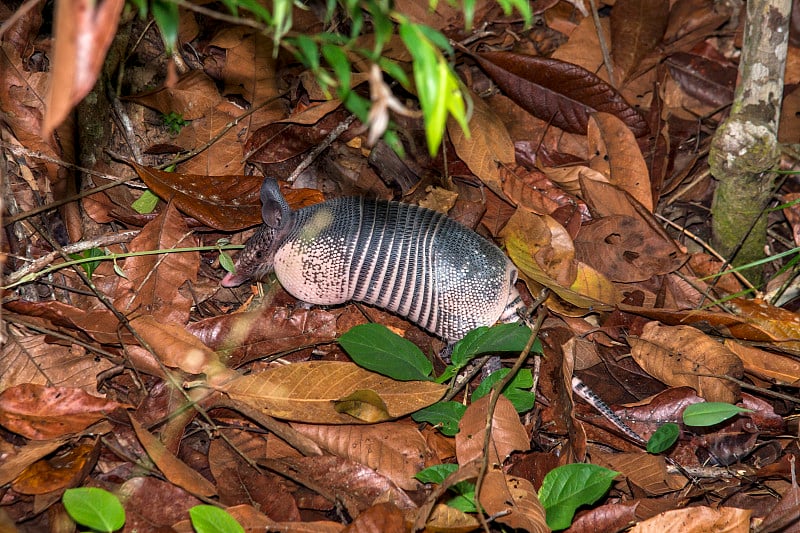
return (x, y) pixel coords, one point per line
(498, 338)
(95, 508)
(307, 51)
(226, 262)
(337, 59)
(145, 203)
(567, 487)
(443, 415)
(166, 16)
(517, 391)
(710, 413)
(210, 519)
(90, 266)
(664, 437)
(464, 499)
(436, 473)
(375, 348)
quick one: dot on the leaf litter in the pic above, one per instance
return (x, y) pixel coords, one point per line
(573, 170)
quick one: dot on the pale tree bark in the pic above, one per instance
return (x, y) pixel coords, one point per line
(744, 150)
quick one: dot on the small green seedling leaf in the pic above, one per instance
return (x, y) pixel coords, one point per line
(436, 473)
(226, 262)
(464, 499)
(443, 415)
(568, 487)
(663, 438)
(145, 203)
(517, 391)
(375, 348)
(499, 338)
(710, 413)
(167, 18)
(90, 266)
(95, 508)
(210, 519)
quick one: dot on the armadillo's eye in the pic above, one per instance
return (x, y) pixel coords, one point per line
(258, 255)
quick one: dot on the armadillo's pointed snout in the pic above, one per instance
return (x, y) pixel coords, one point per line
(232, 280)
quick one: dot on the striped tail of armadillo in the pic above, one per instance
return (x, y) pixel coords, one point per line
(409, 260)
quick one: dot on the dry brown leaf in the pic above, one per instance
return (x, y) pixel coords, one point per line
(617, 156)
(697, 520)
(60, 471)
(569, 177)
(356, 486)
(152, 281)
(175, 470)
(648, 472)
(395, 450)
(238, 482)
(306, 392)
(83, 32)
(677, 354)
(176, 347)
(514, 501)
(508, 433)
(32, 360)
(40, 413)
(18, 458)
(192, 97)
(548, 247)
(487, 148)
(766, 365)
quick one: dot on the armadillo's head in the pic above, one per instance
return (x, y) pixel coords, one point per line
(256, 259)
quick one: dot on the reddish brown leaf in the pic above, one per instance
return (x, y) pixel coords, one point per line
(62, 471)
(83, 32)
(228, 203)
(556, 91)
(637, 26)
(173, 468)
(709, 81)
(39, 413)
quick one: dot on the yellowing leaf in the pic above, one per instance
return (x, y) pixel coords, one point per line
(308, 391)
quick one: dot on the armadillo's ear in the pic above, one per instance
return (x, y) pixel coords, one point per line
(274, 209)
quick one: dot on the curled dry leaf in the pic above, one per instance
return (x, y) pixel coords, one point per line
(549, 248)
(618, 157)
(514, 501)
(556, 91)
(508, 433)
(677, 354)
(306, 392)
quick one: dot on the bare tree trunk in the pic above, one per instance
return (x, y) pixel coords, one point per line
(745, 148)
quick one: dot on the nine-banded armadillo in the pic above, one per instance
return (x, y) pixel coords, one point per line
(412, 261)
(407, 259)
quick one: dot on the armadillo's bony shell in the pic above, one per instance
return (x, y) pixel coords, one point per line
(409, 260)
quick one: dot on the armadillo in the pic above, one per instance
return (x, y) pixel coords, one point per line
(410, 260)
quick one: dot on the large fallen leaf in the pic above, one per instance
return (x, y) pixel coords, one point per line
(83, 32)
(508, 433)
(617, 156)
(560, 92)
(228, 203)
(396, 450)
(637, 26)
(488, 147)
(151, 282)
(677, 354)
(307, 392)
(176, 347)
(39, 413)
(697, 520)
(514, 501)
